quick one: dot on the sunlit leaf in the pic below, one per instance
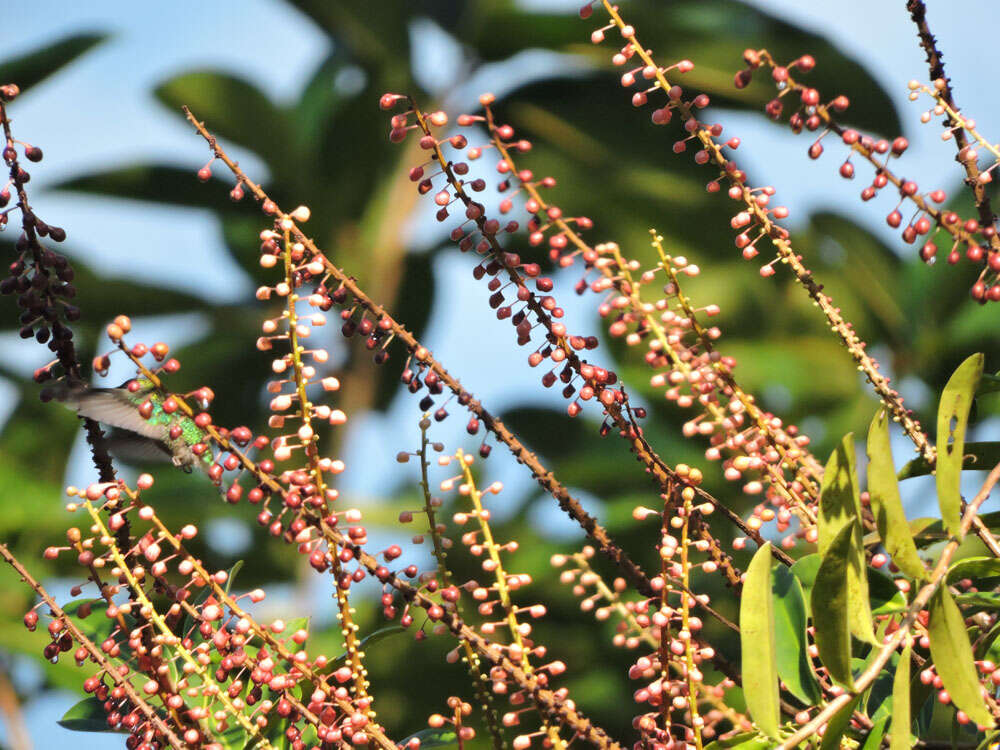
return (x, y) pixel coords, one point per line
(830, 604)
(952, 656)
(837, 725)
(883, 488)
(899, 729)
(977, 455)
(757, 639)
(840, 507)
(979, 569)
(874, 739)
(953, 416)
(839, 497)
(741, 741)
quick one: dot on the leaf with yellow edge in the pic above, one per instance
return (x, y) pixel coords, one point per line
(837, 725)
(839, 507)
(953, 418)
(952, 656)
(829, 602)
(899, 729)
(757, 643)
(839, 500)
(883, 488)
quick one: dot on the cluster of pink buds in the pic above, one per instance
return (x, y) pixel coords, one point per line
(201, 665)
(495, 602)
(666, 687)
(754, 446)
(298, 368)
(697, 374)
(510, 277)
(926, 220)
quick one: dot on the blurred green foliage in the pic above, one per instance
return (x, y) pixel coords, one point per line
(329, 150)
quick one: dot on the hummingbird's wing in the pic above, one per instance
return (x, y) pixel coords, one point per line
(113, 407)
(135, 449)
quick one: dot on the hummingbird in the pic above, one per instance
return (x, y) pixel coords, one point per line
(143, 430)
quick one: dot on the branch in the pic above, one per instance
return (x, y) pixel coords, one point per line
(866, 678)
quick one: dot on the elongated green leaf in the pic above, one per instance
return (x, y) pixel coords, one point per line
(86, 716)
(981, 599)
(33, 68)
(234, 108)
(839, 506)
(370, 640)
(829, 607)
(757, 643)
(874, 739)
(978, 455)
(805, 569)
(839, 501)
(980, 569)
(884, 595)
(899, 730)
(434, 738)
(742, 741)
(794, 665)
(952, 655)
(953, 418)
(836, 727)
(887, 506)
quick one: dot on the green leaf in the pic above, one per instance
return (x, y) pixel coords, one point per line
(233, 109)
(830, 603)
(899, 730)
(952, 655)
(990, 383)
(839, 501)
(741, 741)
(886, 504)
(885, 598)
(953, 417)
(431, 737)
(805, 570)
(837, 725)
(840, 507)
(874, 739)
(86, 716)
(980, 599)
(206, 592)
(368, 641)
(33, 68)
(978, 455)
(757, 642)
(793, 663)
(979, 569)
(231, 576)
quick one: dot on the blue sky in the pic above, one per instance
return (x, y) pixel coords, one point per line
(106, 116)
